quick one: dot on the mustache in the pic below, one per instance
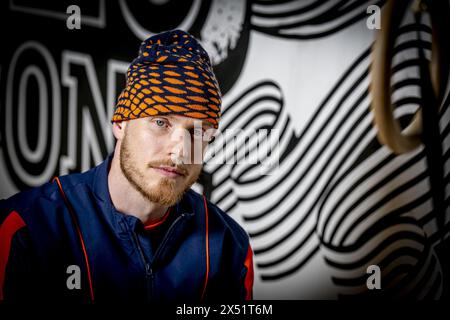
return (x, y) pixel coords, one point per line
(169, 163)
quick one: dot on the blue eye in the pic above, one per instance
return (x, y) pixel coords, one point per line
(160, 123)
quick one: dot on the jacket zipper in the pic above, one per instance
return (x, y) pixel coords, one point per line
(147, 267)
(166, 237)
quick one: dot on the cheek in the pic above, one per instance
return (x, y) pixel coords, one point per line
(146, 145)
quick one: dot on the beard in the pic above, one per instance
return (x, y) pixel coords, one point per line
(167, 191)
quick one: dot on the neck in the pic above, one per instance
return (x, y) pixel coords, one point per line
(128, 200)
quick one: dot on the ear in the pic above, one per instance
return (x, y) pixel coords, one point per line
(119, 129)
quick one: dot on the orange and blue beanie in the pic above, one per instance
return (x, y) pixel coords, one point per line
(171, 75)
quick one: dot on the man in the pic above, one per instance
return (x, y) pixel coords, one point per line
(131, 229)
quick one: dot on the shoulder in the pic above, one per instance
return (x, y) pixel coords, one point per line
(221, 220)
(28, 200)
(35, 202)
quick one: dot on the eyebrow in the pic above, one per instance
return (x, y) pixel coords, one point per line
(202, 127)
(205, 125)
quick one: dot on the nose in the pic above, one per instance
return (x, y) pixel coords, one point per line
(180, 146)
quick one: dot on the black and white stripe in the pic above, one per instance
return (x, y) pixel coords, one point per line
(299, 19)
(336, 189)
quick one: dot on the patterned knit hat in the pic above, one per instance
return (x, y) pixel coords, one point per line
(171, 75)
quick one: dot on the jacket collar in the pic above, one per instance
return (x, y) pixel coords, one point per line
(185, 206)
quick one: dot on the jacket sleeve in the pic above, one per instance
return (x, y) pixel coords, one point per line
(247, 276)
(15, 268)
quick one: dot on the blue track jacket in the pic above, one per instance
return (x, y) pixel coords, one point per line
(51, 234)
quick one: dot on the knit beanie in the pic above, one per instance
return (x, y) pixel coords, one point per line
(171, 75)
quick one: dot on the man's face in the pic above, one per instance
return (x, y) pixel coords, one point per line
(154, 155)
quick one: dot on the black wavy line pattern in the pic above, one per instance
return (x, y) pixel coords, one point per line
(418, 275)
(299, 19)
(337, 190)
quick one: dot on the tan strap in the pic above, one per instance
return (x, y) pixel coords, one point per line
(389, 130)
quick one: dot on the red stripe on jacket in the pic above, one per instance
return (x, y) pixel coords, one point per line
(8, 229)
(248, 282)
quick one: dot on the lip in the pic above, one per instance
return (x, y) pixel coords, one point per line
(168, 172)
